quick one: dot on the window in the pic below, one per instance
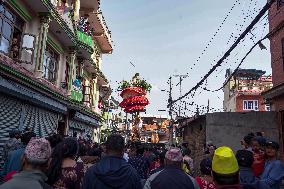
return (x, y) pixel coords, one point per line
(267, 107)
(50, 64)
(250, 105)
(78, 69)
(28, 48)
(10, 32)
(67, 72)
(88, 93)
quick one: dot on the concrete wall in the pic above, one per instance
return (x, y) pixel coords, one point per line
(228, 128)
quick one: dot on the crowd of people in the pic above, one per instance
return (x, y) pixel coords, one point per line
(71, 163)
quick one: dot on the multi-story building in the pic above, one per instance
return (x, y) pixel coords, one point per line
(275, 96)
(50, 66)
(276, 20)
(242, 93)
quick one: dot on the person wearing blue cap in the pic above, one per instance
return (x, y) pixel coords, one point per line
(273, 173)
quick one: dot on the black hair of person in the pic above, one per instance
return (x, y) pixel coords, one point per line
(206, 166)
(245, 158)
(68, 148)
(54, 140)
(115, 142)
(26, 137)
(248, 139)
(228, 179)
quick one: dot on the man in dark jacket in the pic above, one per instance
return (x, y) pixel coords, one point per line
(172, 176)
(112, 171)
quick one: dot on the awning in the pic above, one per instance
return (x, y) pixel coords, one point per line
(86, 119)
(24, 93)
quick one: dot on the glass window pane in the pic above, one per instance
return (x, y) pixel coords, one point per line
(28, 41)
(26, 55)
(7, 30)
(0, 23)
(1, 8)
(19, 23)
(250, 105)
(9, 15)
(246, 105)
(4, 45)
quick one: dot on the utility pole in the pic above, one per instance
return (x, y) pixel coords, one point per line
(181, 77)
(171, 139)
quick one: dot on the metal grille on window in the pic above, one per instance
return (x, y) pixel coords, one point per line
(10, 113)
(67, 72)
(42, 122)
(87, 94)
(50, 64)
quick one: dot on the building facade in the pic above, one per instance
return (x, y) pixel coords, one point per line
(243, 91)
(275, 96)
(50, 66)
(276, 18)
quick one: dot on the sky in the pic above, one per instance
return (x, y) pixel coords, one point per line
(164, 38)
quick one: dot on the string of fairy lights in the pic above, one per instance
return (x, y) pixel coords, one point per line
(188, 105)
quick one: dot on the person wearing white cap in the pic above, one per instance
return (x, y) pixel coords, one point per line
(172, 176)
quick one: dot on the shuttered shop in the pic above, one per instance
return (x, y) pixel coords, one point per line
(16, 114)
(81, 128)
(42, 122)
(10, 114)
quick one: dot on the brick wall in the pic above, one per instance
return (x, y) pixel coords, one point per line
(194, 134)
(241, 98)
(276, 16)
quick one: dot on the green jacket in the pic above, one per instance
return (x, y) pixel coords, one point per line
(26, 179)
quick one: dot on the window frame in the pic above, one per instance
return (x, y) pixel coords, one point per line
(55, 72)
(27, 48)
(254, 107)
(267, 107)
(13, 23)
(67, 70)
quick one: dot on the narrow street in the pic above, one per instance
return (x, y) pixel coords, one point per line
(145, 94)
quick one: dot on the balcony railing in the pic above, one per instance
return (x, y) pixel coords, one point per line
(86, 39)
(103, 22)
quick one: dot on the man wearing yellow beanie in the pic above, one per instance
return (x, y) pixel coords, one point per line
(225, 169)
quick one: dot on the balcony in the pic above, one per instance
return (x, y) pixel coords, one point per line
(85, 41)
(106, 31)
(90, 4)
(101, 32)
(93, 69)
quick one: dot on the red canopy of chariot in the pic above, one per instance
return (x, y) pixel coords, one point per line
(134, 95)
